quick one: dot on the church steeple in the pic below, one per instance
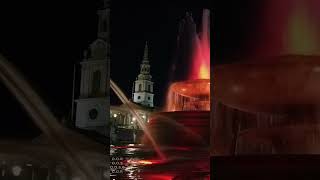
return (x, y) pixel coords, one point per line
(146, 55)
(143, 86)
(100, 48)
(145, 66)
(104, 24)
(93, 99)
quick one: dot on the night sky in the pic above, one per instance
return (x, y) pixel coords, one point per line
(131, 27)
(237, 29)
(43, 39)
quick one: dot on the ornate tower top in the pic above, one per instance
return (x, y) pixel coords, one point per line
(100, 48)
(145, 66)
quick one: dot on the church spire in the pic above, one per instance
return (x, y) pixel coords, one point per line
(146, 54)
(143, 86)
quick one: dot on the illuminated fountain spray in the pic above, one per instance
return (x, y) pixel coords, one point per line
(194, 93)
(46, 121)
(303, 31)
(186, 119)
(140, 121)
(288, 27)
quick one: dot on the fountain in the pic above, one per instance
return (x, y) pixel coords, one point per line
(287, 89)
(267, 109)
(185, 121)
(182, 129)
(283, 87)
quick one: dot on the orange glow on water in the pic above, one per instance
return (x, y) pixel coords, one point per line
(204, 72)
(142, 162)
(145, 162)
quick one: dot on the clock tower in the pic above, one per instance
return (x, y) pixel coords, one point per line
(143, 86)
(91, 106)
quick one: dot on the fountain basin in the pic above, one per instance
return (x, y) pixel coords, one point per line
(276, 85)
(180, 128)
(290, 139)
(192, 88)
(191, 95)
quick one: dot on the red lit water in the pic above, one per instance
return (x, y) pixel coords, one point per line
(201, 47)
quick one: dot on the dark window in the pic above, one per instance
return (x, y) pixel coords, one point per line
(96, 82)
(104, 26)
(93, 114)
(149, 88)
(140, 87)
(139, 97)
(148, 98)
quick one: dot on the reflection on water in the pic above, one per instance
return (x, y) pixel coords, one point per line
(137, 162)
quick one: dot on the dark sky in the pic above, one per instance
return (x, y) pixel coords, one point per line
(43, 39)
(131, 27)
(235, 27)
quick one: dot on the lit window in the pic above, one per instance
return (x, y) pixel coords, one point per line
(115, 115)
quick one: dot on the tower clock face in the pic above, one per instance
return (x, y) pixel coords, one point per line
(93, 113)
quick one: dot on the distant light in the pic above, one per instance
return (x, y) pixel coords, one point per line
(237, 88)
(183, 89)
(131, 122)
(143, 116)
(16, 170)
(133, 119)
(115, 115)
(145, 162)
(316, 69)
(28, 164)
